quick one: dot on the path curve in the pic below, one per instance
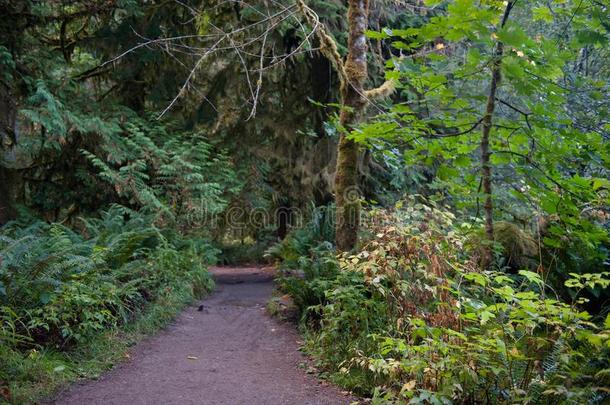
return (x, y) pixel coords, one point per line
(232, 352)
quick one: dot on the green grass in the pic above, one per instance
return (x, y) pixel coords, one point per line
(39, 374)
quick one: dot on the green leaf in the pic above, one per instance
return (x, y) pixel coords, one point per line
(589, 37)
(376, 34)
(513, 36)
(531, 276)
(478, 278)
(486, 316)
(542, 14)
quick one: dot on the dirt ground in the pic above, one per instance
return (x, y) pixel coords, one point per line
(231, 352)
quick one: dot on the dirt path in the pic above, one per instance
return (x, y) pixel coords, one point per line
(232, 352)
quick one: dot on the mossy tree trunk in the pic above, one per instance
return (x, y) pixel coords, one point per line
(353, 101)
(487, 123)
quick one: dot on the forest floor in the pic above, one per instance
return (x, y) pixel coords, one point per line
(231, 352)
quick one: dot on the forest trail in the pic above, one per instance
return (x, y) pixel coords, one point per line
(232, 352)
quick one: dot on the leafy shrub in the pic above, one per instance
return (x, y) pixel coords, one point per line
(309, 283)
(412, 318)
(307, 262)
(77, 310)
(61, 287)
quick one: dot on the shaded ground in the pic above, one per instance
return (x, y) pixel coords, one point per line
(232, 352)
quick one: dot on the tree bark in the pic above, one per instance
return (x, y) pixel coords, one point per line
(8, 139)
(347, 195)
(354, 99)
(7, 211)
(487, 122)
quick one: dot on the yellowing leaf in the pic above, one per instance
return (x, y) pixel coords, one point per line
(408, 386)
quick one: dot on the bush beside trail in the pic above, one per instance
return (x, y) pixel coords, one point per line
(411, 317)
(71, 300)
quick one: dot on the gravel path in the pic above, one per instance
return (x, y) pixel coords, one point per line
(232, 352)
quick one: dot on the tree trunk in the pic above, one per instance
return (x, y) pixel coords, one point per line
(487, 122)
(8, 139)
(347, 194)
(6, 196)
(486, 168)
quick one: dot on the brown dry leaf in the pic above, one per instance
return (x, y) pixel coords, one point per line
(192, 357)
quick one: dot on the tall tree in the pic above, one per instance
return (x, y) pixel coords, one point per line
(489, 99)
(354, 99)
(486, 175)
(353, 103)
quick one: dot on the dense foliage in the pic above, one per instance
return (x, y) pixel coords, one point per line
(411, 317)
(481, 296)
(60, 287)
(141, 141)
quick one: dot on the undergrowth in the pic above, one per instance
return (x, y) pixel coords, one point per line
(72, 301)
(411, 318)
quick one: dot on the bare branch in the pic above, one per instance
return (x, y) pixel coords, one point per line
(188, 79)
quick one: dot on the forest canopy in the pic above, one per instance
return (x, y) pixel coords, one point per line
(431, 178)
